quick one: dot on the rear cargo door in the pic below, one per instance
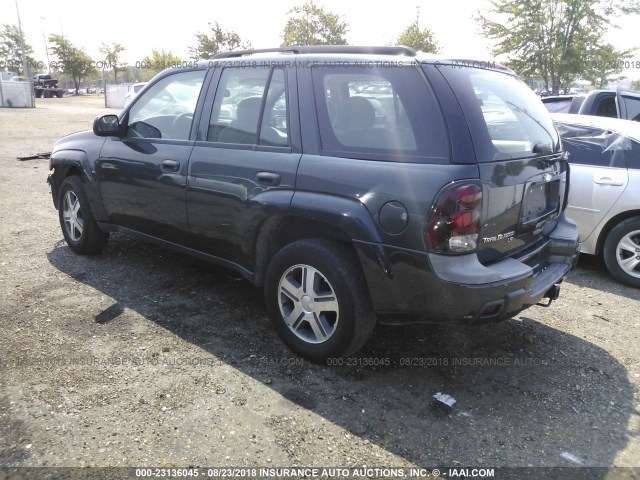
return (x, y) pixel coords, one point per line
(520, 164)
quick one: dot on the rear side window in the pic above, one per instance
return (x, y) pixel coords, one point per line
(594, 146)
(506, 119)
(559, 106)
(250, 108)
(379, 114)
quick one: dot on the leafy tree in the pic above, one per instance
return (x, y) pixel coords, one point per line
(11, 51)
(552, 39)
(420, 39)
(635, 85)
(156, 62)
(606, 61)
(112, 57)
(219, 41)
(72, 60)
(309, 24)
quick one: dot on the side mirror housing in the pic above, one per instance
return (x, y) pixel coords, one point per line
(107, 126)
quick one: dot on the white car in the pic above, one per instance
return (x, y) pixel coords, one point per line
(133, 91)
(604, 193)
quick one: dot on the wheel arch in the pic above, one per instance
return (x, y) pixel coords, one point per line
(65, 163)
(313, 215)
(611, 224)
(280, 230)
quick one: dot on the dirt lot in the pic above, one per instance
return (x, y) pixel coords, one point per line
(144, 357)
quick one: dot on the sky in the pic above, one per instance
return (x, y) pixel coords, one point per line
(142, 25)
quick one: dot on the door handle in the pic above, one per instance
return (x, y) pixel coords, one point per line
(608, 181)
(171, 165)
(268, 178)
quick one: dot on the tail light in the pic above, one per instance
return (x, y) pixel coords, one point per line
(454, 220)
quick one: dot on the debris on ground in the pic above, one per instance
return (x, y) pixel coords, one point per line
(37, 156)
(443, 400)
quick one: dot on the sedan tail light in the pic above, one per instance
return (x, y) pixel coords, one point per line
(453, 223)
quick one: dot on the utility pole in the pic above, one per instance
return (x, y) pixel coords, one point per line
(25, 65)
(418, 17)
(46, 46)
(24, 57)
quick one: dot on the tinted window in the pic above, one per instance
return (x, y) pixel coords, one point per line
(594, 146)
(166, 109)
(379, 114)
(507, 120)
(607, 108)
(633, 156)
(250, 107)
(633, 107)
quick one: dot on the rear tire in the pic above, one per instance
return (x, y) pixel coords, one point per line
(317, 299)
(622, 252)
(79, 228)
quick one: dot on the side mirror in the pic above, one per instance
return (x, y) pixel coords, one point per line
(106, 126)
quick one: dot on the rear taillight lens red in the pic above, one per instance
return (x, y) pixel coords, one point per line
(454, 220)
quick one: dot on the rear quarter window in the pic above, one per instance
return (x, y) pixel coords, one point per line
(387, 114)
(506, 119)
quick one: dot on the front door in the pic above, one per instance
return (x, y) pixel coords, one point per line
(142, 176)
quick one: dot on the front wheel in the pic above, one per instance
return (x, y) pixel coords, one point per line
(79, 228)
(317, 299)
(622, 252)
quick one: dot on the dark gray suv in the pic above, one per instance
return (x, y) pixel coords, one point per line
(355, 184)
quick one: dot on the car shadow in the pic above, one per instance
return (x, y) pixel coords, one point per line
(526, 393)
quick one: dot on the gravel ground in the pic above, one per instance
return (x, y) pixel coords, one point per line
(144, 357)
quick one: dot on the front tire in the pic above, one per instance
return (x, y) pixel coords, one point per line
(79, 228)
(317, 299)
(622, 252)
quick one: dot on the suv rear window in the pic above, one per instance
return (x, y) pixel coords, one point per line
(507, 120)
(379, 114)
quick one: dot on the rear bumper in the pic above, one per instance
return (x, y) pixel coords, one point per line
(440, 288)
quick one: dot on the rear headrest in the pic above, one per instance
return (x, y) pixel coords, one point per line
(248, 111)
(355, 114)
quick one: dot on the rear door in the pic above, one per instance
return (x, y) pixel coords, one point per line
(243, 167)
(598, 173)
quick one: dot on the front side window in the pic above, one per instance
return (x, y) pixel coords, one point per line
(166, 109)
(379, 113)
(250, 108)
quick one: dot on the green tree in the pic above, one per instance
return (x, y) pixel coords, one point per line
(71, 60)
(606, 62)
(309, 24)
(219, 41)
(112, 58)
(551, 39)
(156, 62)
(420, 39)
(10, 51)
(635, 85)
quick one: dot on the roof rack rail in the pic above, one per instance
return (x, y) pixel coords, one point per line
(399, 50)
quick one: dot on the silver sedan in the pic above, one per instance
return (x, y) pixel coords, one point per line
(604, 198)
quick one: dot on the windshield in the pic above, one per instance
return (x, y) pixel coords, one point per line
(506, 119)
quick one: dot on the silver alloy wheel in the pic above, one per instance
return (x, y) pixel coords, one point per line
(628, 253)
(72, 216)
(308, 304)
